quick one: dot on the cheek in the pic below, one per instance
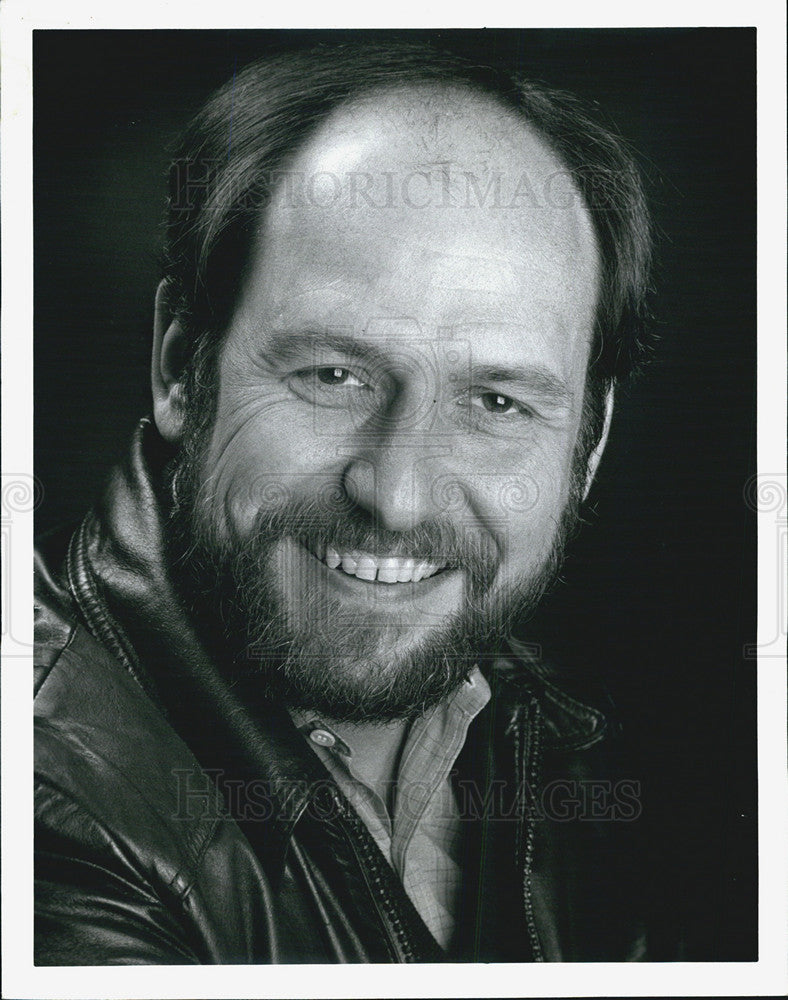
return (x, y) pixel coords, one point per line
(522, 509)
(259, 456)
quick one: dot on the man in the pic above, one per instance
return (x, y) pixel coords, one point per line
(278, 717)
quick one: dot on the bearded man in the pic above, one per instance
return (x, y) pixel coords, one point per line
(278, 714)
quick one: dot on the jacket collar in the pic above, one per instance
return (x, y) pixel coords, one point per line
(569, 703)
(119, 577)
(118, 574)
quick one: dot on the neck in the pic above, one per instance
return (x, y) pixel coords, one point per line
(377, 748)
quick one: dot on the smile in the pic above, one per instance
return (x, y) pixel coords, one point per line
(373, 568)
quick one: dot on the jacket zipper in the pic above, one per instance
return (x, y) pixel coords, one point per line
(528, 749)
(395, 933)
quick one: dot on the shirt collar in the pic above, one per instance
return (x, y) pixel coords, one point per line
(469, 698)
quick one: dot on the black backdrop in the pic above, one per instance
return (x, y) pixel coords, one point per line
(659, 591)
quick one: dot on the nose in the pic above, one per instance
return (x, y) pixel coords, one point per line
(391, 477)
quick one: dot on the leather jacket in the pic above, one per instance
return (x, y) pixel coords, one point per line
(178, 820)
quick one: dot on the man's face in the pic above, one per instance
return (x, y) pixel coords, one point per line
(399, 399)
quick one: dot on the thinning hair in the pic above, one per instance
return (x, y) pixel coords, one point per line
(224, 168)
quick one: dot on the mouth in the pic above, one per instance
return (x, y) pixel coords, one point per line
(374, 568)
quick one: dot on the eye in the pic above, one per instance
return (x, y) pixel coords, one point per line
(333, 386)
(495, 402)
(337, 376)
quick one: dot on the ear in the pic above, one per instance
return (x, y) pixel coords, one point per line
(596, 454)
(169, 351)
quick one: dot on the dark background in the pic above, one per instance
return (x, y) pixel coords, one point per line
(659, 592)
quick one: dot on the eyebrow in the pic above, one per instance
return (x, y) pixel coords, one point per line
(291, 345)
(531, 378)
(287, 346)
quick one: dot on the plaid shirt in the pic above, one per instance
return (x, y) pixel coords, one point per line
(421, 840)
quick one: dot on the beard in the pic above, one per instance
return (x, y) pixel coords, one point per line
(257, 608)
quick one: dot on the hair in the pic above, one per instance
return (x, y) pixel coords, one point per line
(225, 166)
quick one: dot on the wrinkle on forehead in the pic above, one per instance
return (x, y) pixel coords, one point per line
(344, 262)
(451, 133)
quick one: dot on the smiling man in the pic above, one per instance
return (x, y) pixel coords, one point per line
(278, 715)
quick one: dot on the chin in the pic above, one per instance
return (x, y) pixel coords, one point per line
(365, 675)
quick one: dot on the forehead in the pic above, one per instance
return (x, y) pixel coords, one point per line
(431, 204)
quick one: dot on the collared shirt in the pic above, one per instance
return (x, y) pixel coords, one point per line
(422, 839)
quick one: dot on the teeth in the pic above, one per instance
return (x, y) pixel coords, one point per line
(405, 572)
(366, 569)
(389, 570)
(386, 569)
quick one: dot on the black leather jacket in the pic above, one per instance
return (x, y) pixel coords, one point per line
(179, 821)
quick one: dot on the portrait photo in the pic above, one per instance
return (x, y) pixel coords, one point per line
(397, 490)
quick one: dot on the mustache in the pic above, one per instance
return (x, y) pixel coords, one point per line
(315, 525)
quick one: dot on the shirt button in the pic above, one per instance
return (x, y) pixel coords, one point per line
(322, 738)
